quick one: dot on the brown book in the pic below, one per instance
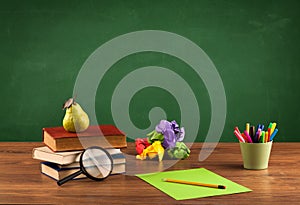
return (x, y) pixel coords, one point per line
(59, 172)
(70, 157)
(106, 136)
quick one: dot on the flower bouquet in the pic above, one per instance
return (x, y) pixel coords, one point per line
(168, 137)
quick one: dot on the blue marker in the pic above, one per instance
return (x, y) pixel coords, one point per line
(273, 134)
(258, 126)
(262, 127)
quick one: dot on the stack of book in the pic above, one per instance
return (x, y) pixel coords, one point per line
(60, 157)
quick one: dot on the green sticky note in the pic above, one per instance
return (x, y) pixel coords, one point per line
(185, 191)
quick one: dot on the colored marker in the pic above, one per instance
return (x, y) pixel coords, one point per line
(248, 127)
(217, 186)
(248, 137)
(252, 133)
(237, 129)
(258, 133)
(262, 137)
(273, 134)
(266, 136)
(269, 134)
(245, 138)
(270, 125)
(273, 127)
(239, 136)
(259, 126)
(262, 127)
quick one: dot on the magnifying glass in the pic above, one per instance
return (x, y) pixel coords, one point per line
(95, 162)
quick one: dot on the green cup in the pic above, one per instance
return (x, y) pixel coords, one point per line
(256, 155)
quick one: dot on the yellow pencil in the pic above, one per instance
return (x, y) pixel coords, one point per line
(194, 183)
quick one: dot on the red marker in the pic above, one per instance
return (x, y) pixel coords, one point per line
(245, 138)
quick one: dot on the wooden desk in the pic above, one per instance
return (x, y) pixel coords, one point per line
(22, 182)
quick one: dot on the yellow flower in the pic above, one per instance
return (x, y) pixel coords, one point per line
(152, 151)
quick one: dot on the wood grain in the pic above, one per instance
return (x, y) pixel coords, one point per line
(22, 183)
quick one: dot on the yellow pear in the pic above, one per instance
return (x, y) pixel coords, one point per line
(75, 119)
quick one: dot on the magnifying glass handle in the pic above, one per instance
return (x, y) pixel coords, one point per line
(68, 178)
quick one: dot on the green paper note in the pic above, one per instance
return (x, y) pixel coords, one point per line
(184, 191)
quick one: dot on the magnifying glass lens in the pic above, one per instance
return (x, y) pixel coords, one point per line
(96, 163)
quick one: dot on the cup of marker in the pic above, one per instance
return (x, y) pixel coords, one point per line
(256, 145)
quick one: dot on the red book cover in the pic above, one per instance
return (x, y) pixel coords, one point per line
(93, 130)
(58, 139)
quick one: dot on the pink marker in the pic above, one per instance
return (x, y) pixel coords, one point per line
(248, 136)
(239, 136)
(258, 134)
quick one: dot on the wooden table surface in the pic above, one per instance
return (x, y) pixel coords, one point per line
(22, 182)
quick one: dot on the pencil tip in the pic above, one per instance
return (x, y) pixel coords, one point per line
(221, 187)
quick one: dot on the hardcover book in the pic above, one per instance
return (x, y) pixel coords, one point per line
(71, 158)
(59, 172)
(106, 136)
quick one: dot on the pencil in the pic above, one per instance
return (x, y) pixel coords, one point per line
(194, 183)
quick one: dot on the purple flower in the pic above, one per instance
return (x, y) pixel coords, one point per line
(163, 126)
(180, 134)
(171, 131)
(175, 126)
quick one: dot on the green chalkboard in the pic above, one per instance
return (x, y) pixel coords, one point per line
(254, 46)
